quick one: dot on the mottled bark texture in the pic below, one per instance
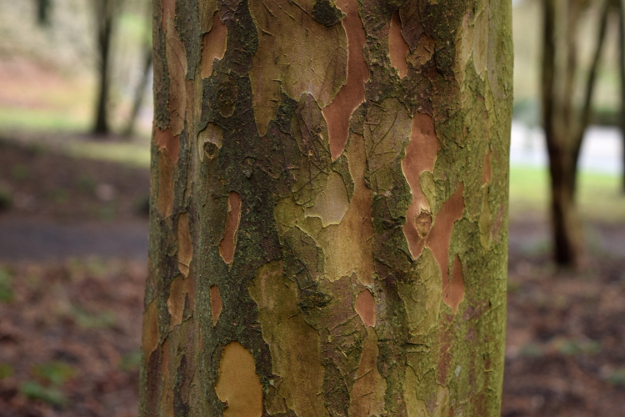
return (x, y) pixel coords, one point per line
(317, 259)
(564, 119)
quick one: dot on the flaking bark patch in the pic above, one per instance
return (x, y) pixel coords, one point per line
(229, 241)
(338, 113)
(165, 191)
(440, 235)
(453, 290)
(177, 66)
(420, 156)
(299, 372)
(238, 385)
(164, 139)
(185, 247)
(213, 45)
(150, 334)
(397, 47)
(296, 55)
(367, 394)
(365, 307)
(178, 299)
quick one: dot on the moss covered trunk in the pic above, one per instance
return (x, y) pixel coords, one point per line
(329, 208)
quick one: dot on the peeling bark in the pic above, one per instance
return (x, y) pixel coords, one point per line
(328, 224)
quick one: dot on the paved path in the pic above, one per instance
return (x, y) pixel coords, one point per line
(41, 240)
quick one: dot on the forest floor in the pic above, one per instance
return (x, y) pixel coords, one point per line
(73, 250)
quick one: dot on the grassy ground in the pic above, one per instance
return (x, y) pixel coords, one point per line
(600, 197)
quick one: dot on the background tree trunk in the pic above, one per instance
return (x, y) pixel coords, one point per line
(105, 16)
(621, 46)
(329, 208)
(564, 120)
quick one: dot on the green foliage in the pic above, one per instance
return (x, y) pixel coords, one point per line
(86, 183)
(20, 172)
(88, 320)
(529, 194)
(6, 198)
(576, 347)
(6, 281)
(130, 361)
(54, 373)
(617, 378)
(51, 395)
(531, 350)
(6, 371)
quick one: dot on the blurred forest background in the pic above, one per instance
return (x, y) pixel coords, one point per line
(75, 123)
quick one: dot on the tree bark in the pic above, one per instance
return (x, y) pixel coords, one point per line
(328, 220)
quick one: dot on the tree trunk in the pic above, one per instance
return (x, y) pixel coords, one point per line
(621, 43)
(563, 123)
(328, 222)
(105, 19)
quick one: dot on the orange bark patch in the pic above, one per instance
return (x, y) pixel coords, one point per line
(164, 139)
(178, 291)
(440, 236)
(453, 290)
(149, 334)
(169, 11)
(229, 241)
(213, 45)
(238, 385)
(367, 395)
(397, 46)
(165, 196)
(365, 307)
(216, 303)
(185, 249)
(352, 94)
(420, 156)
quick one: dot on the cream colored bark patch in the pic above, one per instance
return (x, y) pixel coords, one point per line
(209, 142)
(365, 307)
(332, 202)
(352, 94)
(216, 303)
(295, 55)
(472, 41)
(420, 156)
(213, 45)
(397, 47)
(387, 131)
(348, 246)
(238, 384)
(185, 249)
(294, 344)
(229, 241)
